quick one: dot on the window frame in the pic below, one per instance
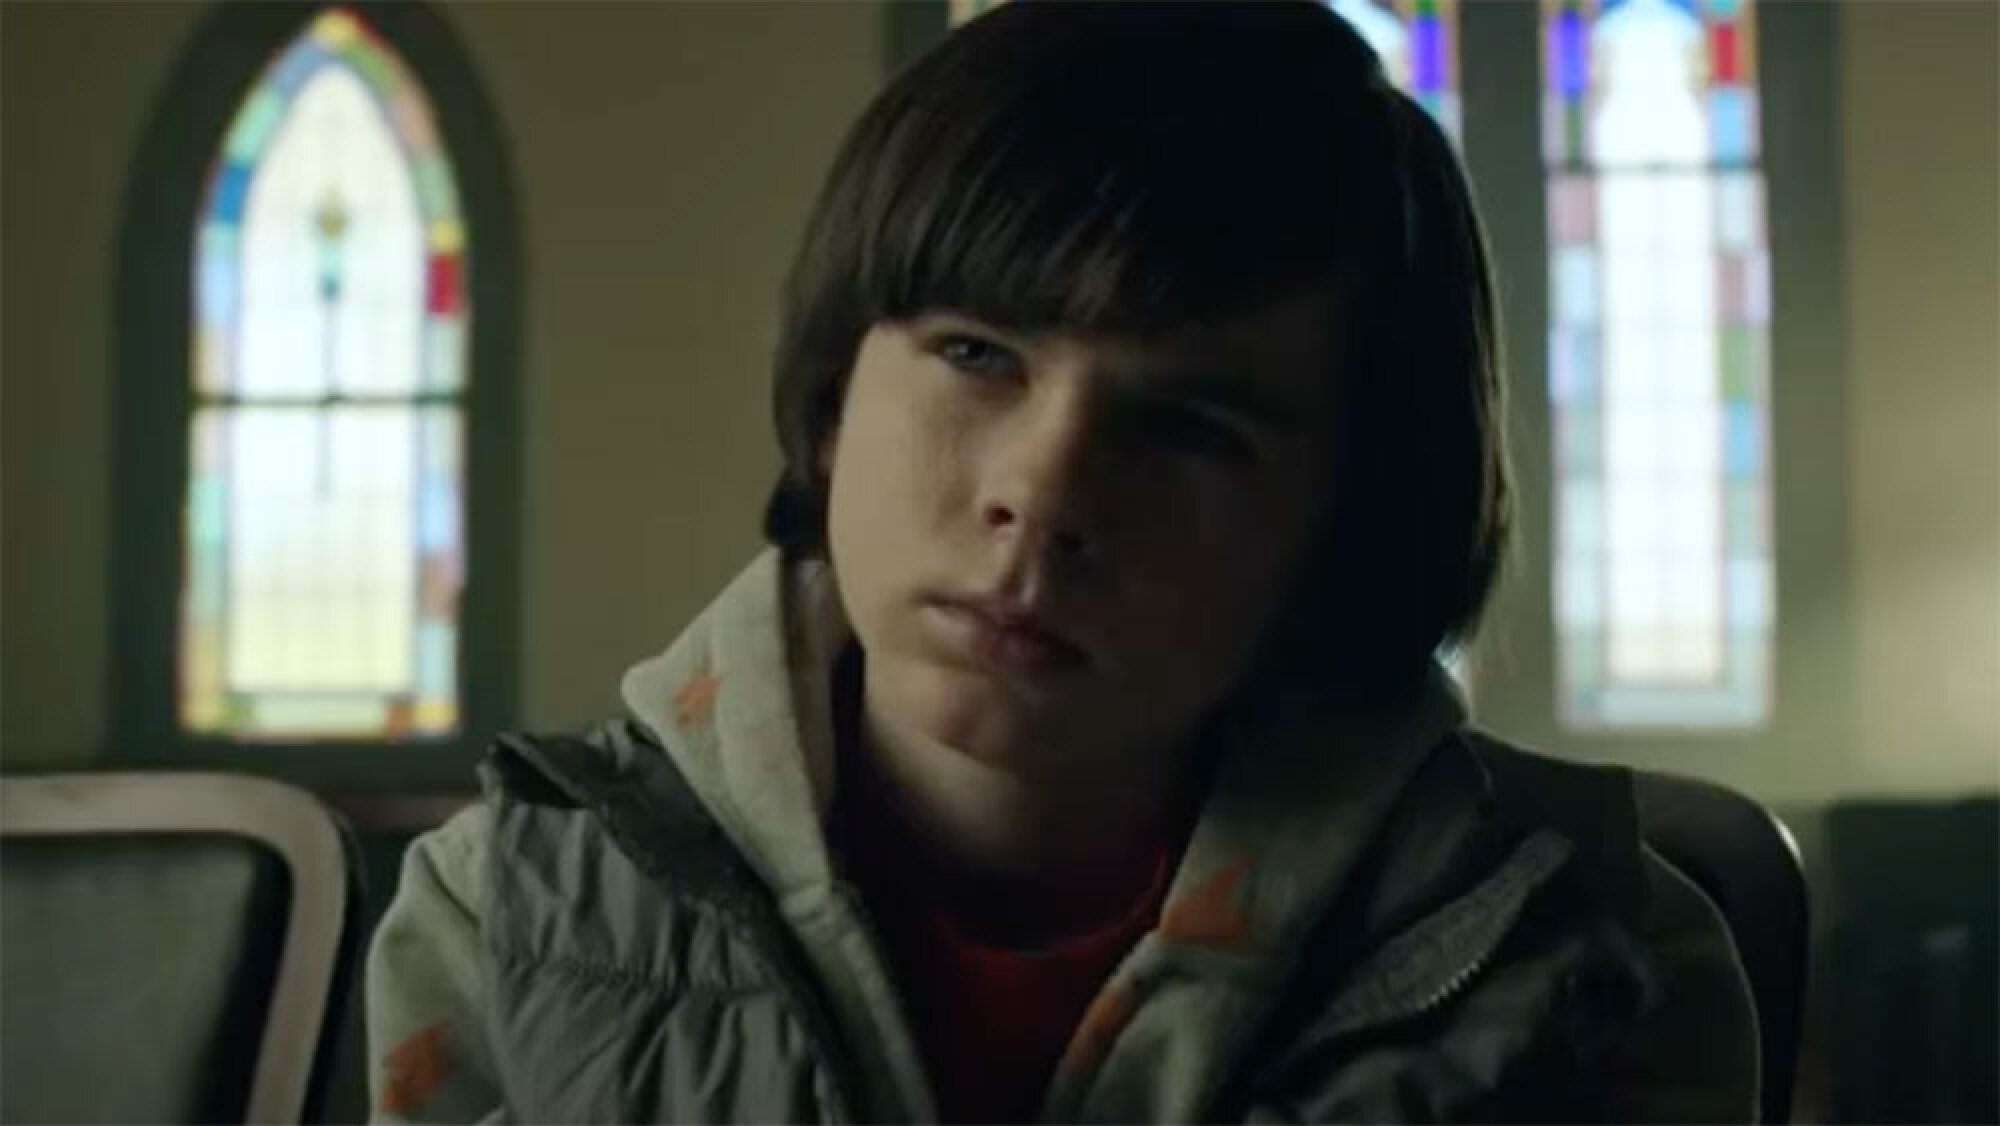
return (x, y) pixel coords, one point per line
(154, 397)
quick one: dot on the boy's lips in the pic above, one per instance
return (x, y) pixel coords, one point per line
(1009, 632)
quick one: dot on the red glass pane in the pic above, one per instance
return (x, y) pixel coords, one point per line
(1722, 49)
(441, 291)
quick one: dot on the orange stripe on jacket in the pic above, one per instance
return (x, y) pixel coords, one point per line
(1209, 915)
(417, 1068)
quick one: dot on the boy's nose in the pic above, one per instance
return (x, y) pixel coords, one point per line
(1038, 487)
(1063, 538)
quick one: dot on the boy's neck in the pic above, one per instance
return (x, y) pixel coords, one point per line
(1020, 860)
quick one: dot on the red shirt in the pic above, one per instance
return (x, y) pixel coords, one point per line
(992, 1021)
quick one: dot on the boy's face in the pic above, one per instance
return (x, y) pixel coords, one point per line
(1058, 551)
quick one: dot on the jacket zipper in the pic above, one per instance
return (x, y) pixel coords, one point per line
(1457, 984)
(1495, 906)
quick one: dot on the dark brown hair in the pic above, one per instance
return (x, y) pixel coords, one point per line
(1132, 167)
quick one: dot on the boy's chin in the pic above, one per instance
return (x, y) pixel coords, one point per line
(978, 720)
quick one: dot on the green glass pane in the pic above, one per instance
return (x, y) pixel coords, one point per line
(374, 68)
(1748, 528)
(254, 123)
(208, 589)
(1739, 363)
(437, 194)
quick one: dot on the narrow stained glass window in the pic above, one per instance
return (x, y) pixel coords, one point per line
(324, 523)
(1658, 361)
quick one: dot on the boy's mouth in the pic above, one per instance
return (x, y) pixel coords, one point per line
(1007, 633)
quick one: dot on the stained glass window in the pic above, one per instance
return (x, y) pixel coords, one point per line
(1658, 363)
(1417, 41)
(324, 524)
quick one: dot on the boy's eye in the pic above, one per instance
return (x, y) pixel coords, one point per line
(1197, 433)
(973, 356)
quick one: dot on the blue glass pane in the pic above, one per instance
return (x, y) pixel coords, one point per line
(298, 65)
(437, 655)
(1427, 63)
(1743, 441)
(1569, 57)
(1684, 7)
(1750, 593)
(232, 187)
(1729, 110)
(1576, 285)
(215, 286)
(1573, 367)
(438, 517)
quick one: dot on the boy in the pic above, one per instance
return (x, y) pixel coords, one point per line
(1077, 751)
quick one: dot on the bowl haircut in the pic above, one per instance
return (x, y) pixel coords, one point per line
(1137, 168)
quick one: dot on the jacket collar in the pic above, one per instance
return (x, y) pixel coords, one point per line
(742, 701)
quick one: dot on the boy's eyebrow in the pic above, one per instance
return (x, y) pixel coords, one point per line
(1262, 404)
(1206, 382)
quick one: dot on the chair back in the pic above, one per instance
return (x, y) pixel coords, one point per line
(175, 949)
(1746, 861)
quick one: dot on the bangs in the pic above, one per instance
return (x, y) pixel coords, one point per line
(1175, 179)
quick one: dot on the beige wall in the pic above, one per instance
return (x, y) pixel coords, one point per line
(1923, 246)
(665, 155)
(73, 99)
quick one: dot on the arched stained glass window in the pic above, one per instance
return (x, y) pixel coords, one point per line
(1418, 44)
(324, 519)
(1658, 361)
